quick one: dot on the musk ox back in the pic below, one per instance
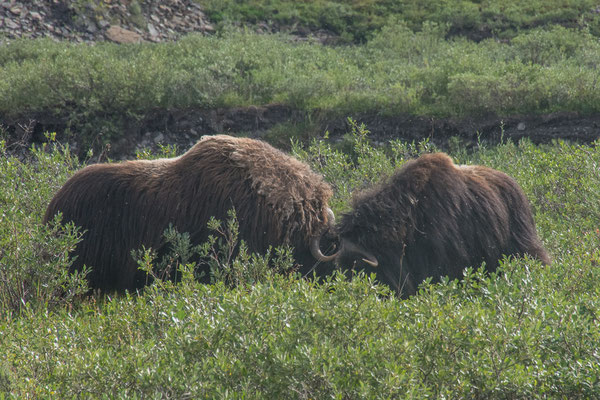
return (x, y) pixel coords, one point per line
(432, 218)
(278, 200)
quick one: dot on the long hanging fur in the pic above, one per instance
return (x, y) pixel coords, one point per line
(122, 206)
(432, 218)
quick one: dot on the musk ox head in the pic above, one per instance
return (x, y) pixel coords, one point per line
(278, 201)
(432, 218)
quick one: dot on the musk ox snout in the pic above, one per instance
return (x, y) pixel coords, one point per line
(432, 218)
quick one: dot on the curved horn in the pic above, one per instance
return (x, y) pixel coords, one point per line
(315, 247)
(372, 262)
(315, 250)
(367, 257)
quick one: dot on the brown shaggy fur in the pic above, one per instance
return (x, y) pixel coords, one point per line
(278, 200)
(433, 218)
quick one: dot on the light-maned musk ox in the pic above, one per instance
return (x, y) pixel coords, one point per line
(432, 218)
(277, 199)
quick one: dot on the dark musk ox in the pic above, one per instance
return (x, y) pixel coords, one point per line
(277, 199)
(432, 218)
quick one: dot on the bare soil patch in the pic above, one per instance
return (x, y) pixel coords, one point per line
(185, 127)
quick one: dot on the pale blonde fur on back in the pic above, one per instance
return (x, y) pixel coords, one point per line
(289, 187)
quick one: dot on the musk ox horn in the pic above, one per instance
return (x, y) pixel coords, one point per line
(351, 247)
(315, 247)
(372, 263)
(316, 251)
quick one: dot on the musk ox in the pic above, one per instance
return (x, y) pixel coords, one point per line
(432, 218)
(122, 206)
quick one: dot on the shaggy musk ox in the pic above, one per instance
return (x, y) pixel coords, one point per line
(278, 200)
(432, 218)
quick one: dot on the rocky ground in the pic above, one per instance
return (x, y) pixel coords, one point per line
(155, 21)
(117, 21)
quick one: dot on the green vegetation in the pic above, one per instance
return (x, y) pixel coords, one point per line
(34, 259)
(358, 20)
(98, 90)
(526, 332)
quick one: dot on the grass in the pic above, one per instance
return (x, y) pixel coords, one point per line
(359, 20)
(100, 90)
(526, 332)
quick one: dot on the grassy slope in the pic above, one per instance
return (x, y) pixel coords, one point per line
(98, 89)
(407, 57)
(357, 20)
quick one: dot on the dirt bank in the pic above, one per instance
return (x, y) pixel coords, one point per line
(185, 127)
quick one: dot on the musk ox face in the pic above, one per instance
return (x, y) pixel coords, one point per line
(432, 218)
(278, 201)
(364, 247)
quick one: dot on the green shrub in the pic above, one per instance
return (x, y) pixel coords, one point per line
(357, 164)
(100, 92)
(562, 183)
(357, 21)
(224, 255)
(521, 334)
(549, 46)
(230, 262)
(34, 258)
(526, 331)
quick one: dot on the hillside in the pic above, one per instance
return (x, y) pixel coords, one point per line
(329, 23)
